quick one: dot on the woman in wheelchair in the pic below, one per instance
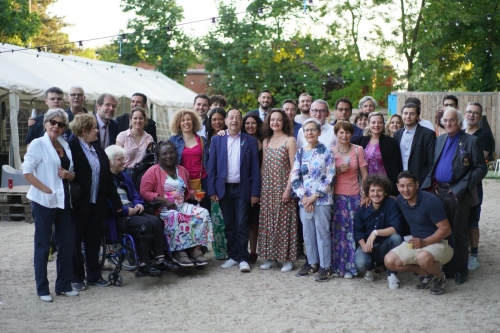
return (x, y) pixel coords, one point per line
(145, 228)
(187, 227)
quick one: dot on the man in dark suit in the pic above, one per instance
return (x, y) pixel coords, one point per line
(459, 166)
(290, 108)
(416, 143)
(265, 100)
(234, 181)
(108, 127)
(138, 100)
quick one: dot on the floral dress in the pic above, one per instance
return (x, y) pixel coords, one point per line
(374, 159)
(187, 226)
(277, 220)
(219, 244)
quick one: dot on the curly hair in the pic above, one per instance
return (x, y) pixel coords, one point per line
(175, 125)
(82, 122)
(287, 124)
(257, 119)
(378, 180)
(161, 144)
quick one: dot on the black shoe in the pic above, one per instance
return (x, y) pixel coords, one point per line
(252, 259)
(301, 255)
(324, 275)
(424, 281)
(306, 270)
(438, 286)
(99, 283)
(78, 286)
(460, 279)
(166, 266)
(147, 270)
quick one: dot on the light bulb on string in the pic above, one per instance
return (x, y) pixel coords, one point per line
(169, 30)
(324, 83)
(265, 86)
(233, 77)
(304, 84)
(260, 11)
(281, 76)
(171, 55)
(213, 20)
(246, 85)
(184, 74)
(352, 71)
(229, 84)
(249, 50)
(456, 23)
(80, 43)
(209, 76)
(307, 46)
(305, 75)
(425, 29)
(257, 76)
(210, 84)
(363, 78)
(442, 58)
(284, 85)
(124, 36)
(328, 74)
(223, 53)
(488, 17)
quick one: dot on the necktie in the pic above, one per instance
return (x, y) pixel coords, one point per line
(104, 136)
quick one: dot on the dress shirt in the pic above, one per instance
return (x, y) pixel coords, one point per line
(233, 158)
(327, 137)
(405, 145)
(262, 114)
(444, 171)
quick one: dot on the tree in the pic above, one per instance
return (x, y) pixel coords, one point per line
(17, 24)
(50, 30)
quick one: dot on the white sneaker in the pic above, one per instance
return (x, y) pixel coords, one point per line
(371, 276)
(229, 263)
(474, 264)
(287, 266)
(68, 293)
(393, 281)
(46, 298)
(267, 264)
(244, 267)
(348, 275)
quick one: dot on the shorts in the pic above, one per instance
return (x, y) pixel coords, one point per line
(441, 252)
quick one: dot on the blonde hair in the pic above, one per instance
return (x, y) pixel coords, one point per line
(81, 122)
(175, 125)
(367, 131)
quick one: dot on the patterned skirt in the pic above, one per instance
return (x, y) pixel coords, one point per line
(219, 244)
(342, 229)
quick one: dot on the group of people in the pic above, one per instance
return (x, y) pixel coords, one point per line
(282, 184)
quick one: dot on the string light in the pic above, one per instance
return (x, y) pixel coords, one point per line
(307, 46)
(260, 11)
(80, 44)
(488, 17)
(39, 49)
(456, 23)
(213, 20)
(169, 30)
(124, 36)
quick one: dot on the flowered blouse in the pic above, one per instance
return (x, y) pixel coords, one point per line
(314, 175)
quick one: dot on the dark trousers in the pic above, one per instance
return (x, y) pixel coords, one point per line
(63, 237)
(364, 261)
(147, 230)
(235, 211)
(88, 230)
(300, 231)
(457, 212)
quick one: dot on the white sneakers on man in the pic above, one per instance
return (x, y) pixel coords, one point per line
(393, 281)
(229, 263)
(46, 298)
(244, 267)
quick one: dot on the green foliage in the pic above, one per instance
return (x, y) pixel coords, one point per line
(17, 25)
(50, 30)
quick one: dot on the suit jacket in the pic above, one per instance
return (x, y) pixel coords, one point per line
(83, 176)
(124, 124)
(391, 157)
(468, 166)
(421, 158)
(249, 168)
(112, 134)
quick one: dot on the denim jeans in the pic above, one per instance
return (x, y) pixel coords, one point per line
(364, 261)
(63, 236)
(235, 211)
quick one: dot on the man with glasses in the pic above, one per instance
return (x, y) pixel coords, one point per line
(137, 100)
(319, 111)
(305, 101)
(474, 114)
(343, 111)
(54, 98)
(459, 166)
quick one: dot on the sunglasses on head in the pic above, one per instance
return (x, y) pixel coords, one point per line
(54, 122)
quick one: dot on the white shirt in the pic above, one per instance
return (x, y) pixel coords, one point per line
(327, 137)
(43, 162)
(300, 118)
(233, 158)
(427, 124)
(203, 131)
(405, 145)
(262, 114)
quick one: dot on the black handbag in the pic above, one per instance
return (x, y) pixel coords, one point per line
(150, 207)
(75, 192)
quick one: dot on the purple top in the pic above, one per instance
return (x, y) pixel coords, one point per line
(374, 159)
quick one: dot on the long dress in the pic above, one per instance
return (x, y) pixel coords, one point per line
(219, 244)
(188, 225)
(277, 220)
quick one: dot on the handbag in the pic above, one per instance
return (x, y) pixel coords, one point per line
(195, 184)
(75, 192)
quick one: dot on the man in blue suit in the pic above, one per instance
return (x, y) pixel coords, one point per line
(234, 181)
(108, 127)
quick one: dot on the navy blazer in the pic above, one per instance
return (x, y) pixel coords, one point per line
(249, 167)
(468, 166)
(421, 159)
(296, 128)
(112, 134)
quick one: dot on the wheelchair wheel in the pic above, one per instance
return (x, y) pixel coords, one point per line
(116, 279)
(130, 260)
(103, 252)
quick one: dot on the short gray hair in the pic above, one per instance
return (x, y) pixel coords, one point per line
(77, 87)
(113, 152)
(314, 121)
(322, 101)
(460, 116)
(52, 113)
(367, 98)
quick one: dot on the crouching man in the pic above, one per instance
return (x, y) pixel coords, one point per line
(377, 228)
(428, 250)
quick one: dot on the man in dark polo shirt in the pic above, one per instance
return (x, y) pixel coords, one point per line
(377, 228)
(428, 249)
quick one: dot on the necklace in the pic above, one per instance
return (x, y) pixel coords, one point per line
(276, 139)
(343, 152)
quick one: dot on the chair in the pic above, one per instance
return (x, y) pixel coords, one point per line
(497, 168)
(16, 175)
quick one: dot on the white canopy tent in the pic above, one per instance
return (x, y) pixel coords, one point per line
(26, 74)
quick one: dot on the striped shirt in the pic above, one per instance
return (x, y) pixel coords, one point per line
(93, 159)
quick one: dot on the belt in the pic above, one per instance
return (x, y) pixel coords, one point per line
(232, 184)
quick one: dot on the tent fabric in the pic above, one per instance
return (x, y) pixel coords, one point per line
(14, 142)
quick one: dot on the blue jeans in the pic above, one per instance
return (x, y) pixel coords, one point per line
(63, 236)
(364, 261)
(235, 211)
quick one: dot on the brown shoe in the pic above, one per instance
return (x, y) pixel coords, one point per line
(181, 258)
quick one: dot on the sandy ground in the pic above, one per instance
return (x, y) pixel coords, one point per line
(217, 300)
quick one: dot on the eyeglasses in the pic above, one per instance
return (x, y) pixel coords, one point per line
(343, 110)
(473, 113)
(54, 122)
(318, 110)
(77, 95)
(310, 130)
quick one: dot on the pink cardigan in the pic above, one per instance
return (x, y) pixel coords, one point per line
(153, 181)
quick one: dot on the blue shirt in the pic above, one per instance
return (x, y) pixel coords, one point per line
(444, 172)
(424, 215)
(368, 219)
